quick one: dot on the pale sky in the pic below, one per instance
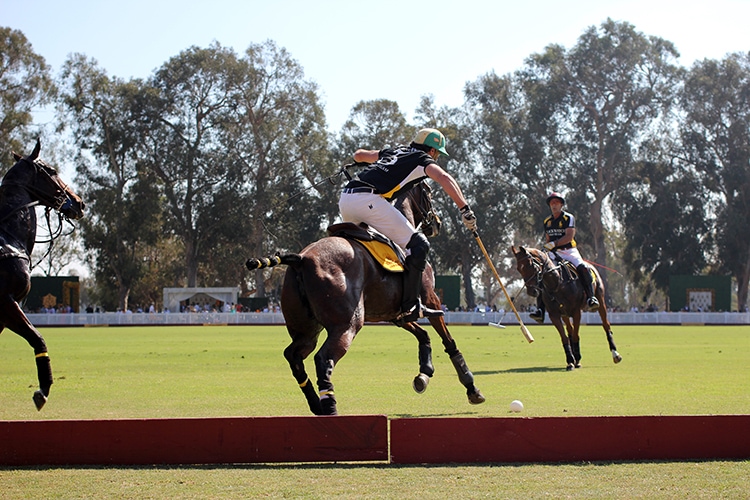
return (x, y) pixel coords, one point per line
(356, 50)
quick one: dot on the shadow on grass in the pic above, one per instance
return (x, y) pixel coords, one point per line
(528, 369)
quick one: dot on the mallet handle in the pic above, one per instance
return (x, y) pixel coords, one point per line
(524, 330)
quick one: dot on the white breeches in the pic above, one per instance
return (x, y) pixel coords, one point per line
(377, 212)
(570, 254)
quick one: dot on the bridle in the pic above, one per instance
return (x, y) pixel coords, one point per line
(534, 282)
(56, 199)
(430, 219)
(541, 269)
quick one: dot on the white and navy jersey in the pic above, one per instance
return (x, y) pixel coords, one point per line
(397, 170)
(555, 228)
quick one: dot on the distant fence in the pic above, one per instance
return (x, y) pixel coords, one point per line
(471, 318)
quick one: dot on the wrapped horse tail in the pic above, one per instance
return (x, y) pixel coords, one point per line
(274, 260)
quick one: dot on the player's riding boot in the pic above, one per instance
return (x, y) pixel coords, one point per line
(588, 286)
(538, 315)
(411, 307)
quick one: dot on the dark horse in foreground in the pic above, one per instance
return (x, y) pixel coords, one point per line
(28, 183)
(564, 298)
(336, 285)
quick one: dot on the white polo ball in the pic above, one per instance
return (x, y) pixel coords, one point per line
(516, 406)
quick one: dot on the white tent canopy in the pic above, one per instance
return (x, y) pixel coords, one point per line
(173, 296)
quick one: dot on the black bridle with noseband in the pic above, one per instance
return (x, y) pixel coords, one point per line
(541, 269)
(430, 224)
(57, 200)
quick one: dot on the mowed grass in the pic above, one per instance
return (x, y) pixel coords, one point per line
(202, 371)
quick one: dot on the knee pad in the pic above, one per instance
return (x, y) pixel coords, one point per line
(419, 246)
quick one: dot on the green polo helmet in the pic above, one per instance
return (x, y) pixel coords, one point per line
(433, 138)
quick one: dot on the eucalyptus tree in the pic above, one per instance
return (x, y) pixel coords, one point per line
(715, 135)
(25, 86)
(273, 134)
(513, 135)
(184, 102)
(607, 93)
(454, 249)
(124, 216)
(667, 230)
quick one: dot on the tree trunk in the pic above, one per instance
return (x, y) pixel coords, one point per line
(600, 250)
(468, 287)
(123, 296)
(743, 280)
(191, 263)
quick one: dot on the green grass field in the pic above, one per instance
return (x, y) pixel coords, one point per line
(197, 371)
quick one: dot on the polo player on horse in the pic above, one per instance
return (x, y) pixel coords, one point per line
(392, 171)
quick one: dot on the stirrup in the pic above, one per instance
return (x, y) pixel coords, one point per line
(417, 311)
(593, 304)
(537, 316)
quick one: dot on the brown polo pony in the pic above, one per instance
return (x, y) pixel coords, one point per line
(564, 299)
(334, 284)
(28, 183)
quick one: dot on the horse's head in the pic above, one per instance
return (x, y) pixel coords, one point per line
(416, 205)
(44, 184)
(530, 264)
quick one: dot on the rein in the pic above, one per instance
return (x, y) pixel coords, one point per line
(50, 202)
(427, 212)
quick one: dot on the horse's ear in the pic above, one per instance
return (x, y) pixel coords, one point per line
(35, 154)
(16, 156)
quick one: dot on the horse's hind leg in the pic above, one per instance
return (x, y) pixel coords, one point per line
(334, 348)
(426, 369)
(295, 354)
(616, 358)
(17, 321)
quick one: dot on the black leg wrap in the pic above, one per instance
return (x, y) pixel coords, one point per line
(576, 348)
(311, 395)
(464, 375)
(44, 373)
(328, 405)
(425, 360)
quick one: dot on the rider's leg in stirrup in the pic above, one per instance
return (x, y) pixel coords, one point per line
(538, 315)
(411, 306)
(592, 302)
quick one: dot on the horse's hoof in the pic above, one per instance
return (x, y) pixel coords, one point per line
(616, 356)
(420, 383)
(476, 398)
(39, 399)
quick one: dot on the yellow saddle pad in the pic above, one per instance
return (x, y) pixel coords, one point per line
(384, 255)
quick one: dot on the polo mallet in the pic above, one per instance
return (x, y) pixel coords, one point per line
(524, 330)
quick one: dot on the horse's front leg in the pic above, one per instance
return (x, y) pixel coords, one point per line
(17, 322)
(464, 374)
(569, 359)
(575, 340)
(426, 369)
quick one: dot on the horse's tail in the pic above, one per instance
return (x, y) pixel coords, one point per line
(290, 259)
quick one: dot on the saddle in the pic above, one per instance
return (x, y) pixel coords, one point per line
(383, 250)
(570, 273)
